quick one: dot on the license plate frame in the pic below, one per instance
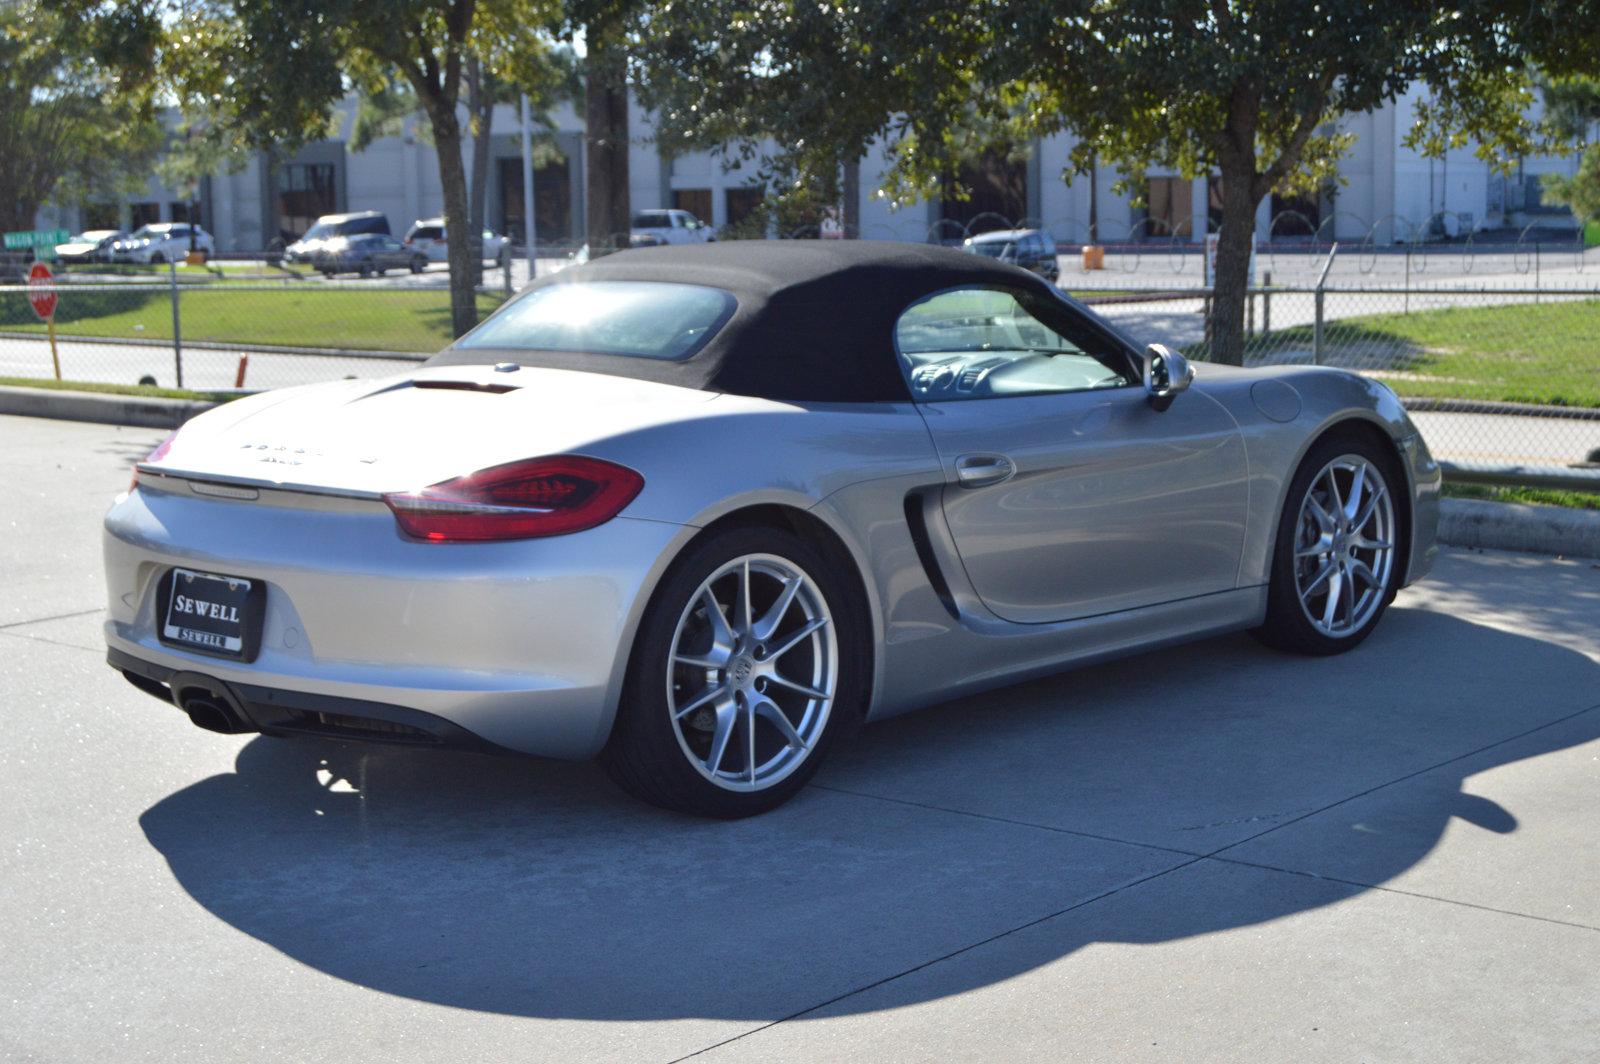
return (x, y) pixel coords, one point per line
(215, 614)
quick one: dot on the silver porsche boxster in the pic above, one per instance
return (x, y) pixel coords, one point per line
(701, 511)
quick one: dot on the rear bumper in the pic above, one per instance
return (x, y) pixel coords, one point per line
(275, 712)
(522, 645)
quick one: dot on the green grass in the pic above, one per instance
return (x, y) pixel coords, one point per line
(147, 390)
(412, 319)
(1576, 500)
(1546, 353)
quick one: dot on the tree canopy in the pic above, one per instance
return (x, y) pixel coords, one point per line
(267, 74)
(1251, 90)
(70, 130)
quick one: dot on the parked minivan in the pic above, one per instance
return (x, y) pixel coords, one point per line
(332, 226)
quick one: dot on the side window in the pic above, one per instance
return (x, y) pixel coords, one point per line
(986, 343)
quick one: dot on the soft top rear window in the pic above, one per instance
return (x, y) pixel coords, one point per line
(640, 319)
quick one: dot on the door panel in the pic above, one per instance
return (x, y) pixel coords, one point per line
(1112, 505)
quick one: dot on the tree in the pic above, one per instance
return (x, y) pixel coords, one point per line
(69, 130)
(266, 74)
(1247, 89)
(546, 74)
(604, 26)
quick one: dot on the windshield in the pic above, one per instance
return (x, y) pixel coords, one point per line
(151, 231)
(642, 319)
(652, 220)
(322, 230)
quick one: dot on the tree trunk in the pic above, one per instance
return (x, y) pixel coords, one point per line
(851, 193)
(480, 105)
(605, 109)
(453, 180)
(1231, 280)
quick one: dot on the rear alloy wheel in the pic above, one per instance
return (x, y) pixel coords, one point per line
(1334, 571)
(744, 665)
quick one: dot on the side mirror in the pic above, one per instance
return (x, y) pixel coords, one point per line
(1166, 373)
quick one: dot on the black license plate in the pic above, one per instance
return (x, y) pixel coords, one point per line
(212, 613)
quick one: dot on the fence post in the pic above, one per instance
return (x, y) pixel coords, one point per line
(1266, 303)
(1408, 278)
(1322, 281)
(507, 270)
(177, 329)
(1536, 271)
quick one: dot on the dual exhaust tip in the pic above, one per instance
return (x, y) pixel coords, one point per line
(209, 705)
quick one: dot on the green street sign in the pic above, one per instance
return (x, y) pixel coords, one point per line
(45, 239)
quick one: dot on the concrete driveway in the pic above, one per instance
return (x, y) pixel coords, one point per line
(1213, 852)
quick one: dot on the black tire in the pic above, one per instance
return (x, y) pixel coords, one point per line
(1288, 625)
(419, 264)
(644, 755)
(366, 270)
(158, 259)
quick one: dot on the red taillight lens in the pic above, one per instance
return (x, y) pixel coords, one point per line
(154, 456)
(519, 500)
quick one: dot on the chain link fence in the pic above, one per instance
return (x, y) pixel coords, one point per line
(1499, 364)
(1501, 382)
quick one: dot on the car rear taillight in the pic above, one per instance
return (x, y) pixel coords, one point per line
(154, 456)
(519, 500)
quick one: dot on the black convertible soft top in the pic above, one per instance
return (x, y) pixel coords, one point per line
(815, 319)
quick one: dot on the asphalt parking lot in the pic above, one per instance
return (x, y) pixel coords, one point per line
(1211, 852)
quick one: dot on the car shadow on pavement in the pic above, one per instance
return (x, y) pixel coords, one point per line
(534, 888)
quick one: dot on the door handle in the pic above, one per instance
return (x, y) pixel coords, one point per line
(982, 470)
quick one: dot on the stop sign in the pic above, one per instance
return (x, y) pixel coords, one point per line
(44, 300)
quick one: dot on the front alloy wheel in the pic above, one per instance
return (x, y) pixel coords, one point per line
(1335, 563)
(1345, 546)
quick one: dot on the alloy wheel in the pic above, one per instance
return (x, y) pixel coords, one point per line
(753, 672)
(1344, 546)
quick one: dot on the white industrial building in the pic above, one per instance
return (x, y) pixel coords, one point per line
(1386, 189)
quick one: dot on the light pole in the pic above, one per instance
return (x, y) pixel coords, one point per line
(530, 231)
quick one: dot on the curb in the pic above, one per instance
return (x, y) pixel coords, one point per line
(1519, 527)
(135, 410)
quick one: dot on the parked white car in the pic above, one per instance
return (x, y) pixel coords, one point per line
(161, 242)
(668, 227)
(93, 245)
(428, 235)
